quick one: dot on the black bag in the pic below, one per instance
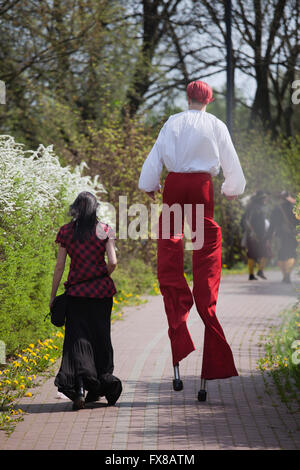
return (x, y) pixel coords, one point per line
(58, 310)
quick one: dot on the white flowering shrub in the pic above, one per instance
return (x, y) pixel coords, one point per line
(35, 193)
(37, 180)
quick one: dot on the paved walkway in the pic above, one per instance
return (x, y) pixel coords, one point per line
(238, 413)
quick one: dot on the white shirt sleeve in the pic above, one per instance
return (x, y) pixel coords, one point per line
(234, 184)
(152, 167)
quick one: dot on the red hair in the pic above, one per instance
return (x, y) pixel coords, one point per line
(200, 91)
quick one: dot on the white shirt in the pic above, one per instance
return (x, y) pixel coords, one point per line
(194, 141)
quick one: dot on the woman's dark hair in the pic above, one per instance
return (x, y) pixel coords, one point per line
(83, 211)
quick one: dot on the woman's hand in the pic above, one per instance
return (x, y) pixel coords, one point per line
(58, 272)
(51, 302)
(111, 256)
(230, 198)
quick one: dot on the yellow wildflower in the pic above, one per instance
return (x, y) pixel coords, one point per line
(28, 394)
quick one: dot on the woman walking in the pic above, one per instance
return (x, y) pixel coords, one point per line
(87, 361)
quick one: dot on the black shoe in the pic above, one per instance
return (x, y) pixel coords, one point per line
(113, 393)
(78, 403)
(252, 277)
(261, 274)
(91, 397)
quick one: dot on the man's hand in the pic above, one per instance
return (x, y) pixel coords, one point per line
(152, 194)
(230, 198)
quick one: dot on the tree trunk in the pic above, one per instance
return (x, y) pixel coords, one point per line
(261, 105)
(141, 76)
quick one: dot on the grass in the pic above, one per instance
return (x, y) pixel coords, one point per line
(132, 279)
(282, 356)
(20, 374)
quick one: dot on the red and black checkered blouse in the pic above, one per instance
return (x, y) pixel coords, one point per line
(88, 276)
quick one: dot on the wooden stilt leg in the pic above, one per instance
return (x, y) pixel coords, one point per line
(202, 392)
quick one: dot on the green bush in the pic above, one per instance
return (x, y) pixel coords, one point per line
(282, 356)
(26, 269)
(35, 192)
(134, 277)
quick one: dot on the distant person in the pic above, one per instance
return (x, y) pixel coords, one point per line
(283, 225)
(193, 145)
(255, 226)
(87, 361)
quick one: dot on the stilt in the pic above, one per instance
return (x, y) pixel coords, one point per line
(202, 391)
(177, 383)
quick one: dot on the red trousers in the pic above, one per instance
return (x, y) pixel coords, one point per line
(191, 189)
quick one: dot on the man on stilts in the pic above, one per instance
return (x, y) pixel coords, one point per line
(193, 145)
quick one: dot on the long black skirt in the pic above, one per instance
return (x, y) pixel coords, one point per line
(87, 348)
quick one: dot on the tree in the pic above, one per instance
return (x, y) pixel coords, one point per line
(60, 52)
(266, 48)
